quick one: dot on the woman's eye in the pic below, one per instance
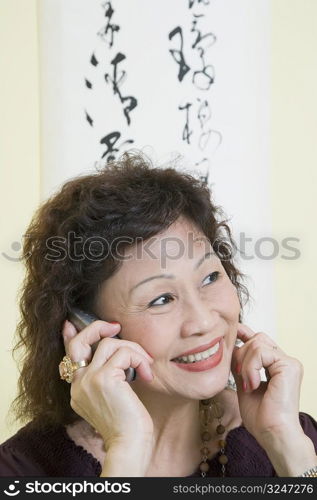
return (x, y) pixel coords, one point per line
(212, 276)
(167, 298)
(162, 297)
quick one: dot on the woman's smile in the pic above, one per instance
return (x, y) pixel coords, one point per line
(208, 359)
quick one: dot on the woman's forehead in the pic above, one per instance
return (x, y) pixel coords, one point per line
(179, 250)
(167, 250)
(175, 240)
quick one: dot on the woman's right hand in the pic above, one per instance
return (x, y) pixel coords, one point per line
(99, 392)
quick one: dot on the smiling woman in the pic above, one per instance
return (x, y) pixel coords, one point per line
(152, 260)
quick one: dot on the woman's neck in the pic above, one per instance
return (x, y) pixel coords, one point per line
(177, 429)
(177, 432)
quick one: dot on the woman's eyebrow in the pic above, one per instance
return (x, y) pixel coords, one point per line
(208, 254)
(170, 276)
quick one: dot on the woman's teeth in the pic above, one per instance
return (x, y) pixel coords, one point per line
(192, 358)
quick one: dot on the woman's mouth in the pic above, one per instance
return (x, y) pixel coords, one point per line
(201, 361)
(193, 358)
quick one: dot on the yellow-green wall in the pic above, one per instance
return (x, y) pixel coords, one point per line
(293, 173)
(19, 167)
(294, 180)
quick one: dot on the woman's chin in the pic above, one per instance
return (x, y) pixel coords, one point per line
(206, 386)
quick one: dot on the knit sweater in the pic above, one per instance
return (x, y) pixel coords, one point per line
(51, 452)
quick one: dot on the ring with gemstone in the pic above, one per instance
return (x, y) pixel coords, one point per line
(67, 367)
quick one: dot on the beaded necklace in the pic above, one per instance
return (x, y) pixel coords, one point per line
(210, 409)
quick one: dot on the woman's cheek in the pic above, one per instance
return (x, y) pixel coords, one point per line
(142, 332)
(155, 337)
(230, 299)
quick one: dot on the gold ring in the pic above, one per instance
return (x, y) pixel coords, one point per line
(67, 367)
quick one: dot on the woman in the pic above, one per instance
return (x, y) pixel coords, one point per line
(145, 250)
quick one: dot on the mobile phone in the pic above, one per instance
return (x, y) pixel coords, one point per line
(80, 320)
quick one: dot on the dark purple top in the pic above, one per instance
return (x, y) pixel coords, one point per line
(52, 453)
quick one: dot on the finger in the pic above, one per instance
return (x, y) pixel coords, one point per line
(259, 337)
(107, 347)
(238, 355)
(250, 369)
(123, 358)
(68, 332)
(257, 357)
(80, 345)
(244, 332)
(235, 359)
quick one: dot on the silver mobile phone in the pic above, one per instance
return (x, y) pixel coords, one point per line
(80, 320)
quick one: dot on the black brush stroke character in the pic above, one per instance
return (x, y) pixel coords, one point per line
(110, 141)
(117, 82)
(178, 55)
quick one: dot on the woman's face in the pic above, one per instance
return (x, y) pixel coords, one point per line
(172, 295)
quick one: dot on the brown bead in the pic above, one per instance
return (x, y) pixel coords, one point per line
(223, 459)
(206, 436)
(205, 450)
(217, 410)
(206, 402)
(205, 416)
(220, 429)
(204, 467)
(222, 443)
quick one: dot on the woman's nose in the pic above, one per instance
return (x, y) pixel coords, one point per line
(199, 317)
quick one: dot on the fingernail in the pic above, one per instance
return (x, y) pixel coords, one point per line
(114, 324)
(245, 386)
(70, 326)
(150, 356)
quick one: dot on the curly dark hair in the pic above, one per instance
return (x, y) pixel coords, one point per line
(128, 198)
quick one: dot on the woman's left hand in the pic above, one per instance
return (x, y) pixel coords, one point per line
(270, 407)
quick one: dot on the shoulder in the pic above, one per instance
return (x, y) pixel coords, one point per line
(16, 453)
(44, 451)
